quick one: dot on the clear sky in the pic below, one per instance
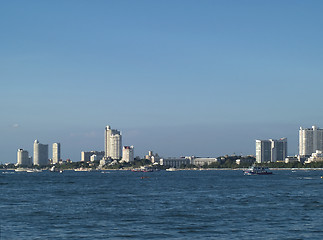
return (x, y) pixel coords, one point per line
(201, 78)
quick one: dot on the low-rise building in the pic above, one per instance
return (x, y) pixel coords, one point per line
(154, 158)
(128, 154)
(203, 161)
(94, 157)
(291, 159)
(175, 162)
(247, 160)
(86, 156)
(316, 157)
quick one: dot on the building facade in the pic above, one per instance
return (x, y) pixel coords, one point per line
(128, 154)
(154, 158)
(175, 162)
(315, 157)
(23, 158)
(86, 156)
(113, 143)
(271, 150)
(310, 140)
(56, 152)
(40, 153)
(203, 161)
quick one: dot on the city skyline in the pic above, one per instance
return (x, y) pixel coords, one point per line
(270, 150)
(179, 78)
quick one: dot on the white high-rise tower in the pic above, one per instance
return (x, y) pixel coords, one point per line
(113, 143)
(271, 150)
(56, 152)
(40, 153)
(310, 140)
(23, 158)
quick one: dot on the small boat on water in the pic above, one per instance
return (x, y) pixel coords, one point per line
(33, 170)
(83, 169)
(143, 177)
(171, 169)
(142, 169)
(20, 170)
(254, 170)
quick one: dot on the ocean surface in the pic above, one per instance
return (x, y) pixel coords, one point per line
(162, 205)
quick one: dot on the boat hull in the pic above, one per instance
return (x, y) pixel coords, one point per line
(262, 173)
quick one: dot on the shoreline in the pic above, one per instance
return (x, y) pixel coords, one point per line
(198, 169)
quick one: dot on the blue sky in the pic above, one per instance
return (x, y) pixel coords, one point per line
(202, 78)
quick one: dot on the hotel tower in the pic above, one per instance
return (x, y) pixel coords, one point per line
(113, 143)
(271, 150)
(310, 140)
(56, 152)
(40, 153)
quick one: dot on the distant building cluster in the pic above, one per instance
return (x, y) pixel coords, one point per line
(269, 150)
(154, 158)
(310, 140)
(112, 144)
(40, 155)
(113, 152)
(310, 148)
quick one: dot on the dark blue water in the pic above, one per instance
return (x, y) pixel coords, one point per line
(167, 205)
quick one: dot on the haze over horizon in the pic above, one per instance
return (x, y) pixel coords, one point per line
(203, 78)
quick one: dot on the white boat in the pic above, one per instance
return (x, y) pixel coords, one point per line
(33, 170)
(254, 170)
(171, 169)
(83, 169)
(20, 170)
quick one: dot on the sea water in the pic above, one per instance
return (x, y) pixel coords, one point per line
(161, 205)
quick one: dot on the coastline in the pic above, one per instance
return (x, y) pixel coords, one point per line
(198, 169)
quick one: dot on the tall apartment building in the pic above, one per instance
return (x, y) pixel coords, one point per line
(23, 158)
(113, 143)
(271, 150)
(128, 154)
(310, 140)
(56, 152)
(40, 153)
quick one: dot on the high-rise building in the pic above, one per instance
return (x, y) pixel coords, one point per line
(113, 143)
(23, 158)
(40, 153)
(271, 150)
(128, 154)
(56, 152)
(310, 140)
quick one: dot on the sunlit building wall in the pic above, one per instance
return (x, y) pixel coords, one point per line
(113, 143)
(56, 152)
(310, 140)
(128, 154)
(271, 150)
(40, 153)
(23, 158)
